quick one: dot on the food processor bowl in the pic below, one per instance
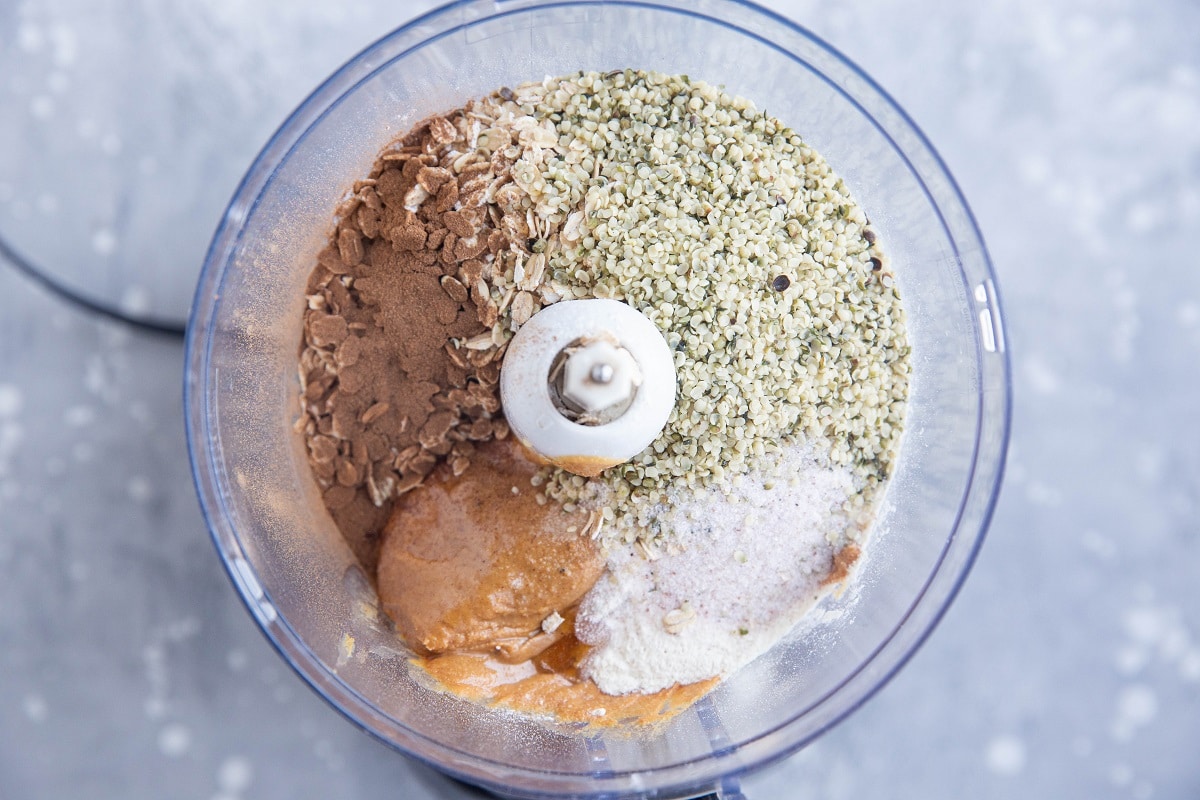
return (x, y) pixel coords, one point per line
(291, 565)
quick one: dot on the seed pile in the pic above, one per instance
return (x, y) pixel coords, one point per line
(742, 245)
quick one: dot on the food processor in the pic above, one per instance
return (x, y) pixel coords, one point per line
(292, 567)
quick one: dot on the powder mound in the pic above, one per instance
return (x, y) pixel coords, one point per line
(745, 569)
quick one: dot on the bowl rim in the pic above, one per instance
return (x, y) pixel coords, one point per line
(210, 479)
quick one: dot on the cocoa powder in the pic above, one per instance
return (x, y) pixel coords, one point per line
(388, 389)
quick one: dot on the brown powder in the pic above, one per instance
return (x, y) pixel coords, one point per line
(843, 561)
(388, 389)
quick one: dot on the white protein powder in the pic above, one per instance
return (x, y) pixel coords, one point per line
(748, 565)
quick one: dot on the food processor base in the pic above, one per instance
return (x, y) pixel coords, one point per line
(731, 792)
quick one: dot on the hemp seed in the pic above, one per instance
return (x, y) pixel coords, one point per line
(703, 221)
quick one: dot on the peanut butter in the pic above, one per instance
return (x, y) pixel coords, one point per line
(550, 685)
(474, 561)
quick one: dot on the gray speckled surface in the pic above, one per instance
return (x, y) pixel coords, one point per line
(1068, 667)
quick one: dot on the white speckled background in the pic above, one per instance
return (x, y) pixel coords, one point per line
(1068, 668)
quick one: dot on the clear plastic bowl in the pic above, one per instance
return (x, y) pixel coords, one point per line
(299, 579)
